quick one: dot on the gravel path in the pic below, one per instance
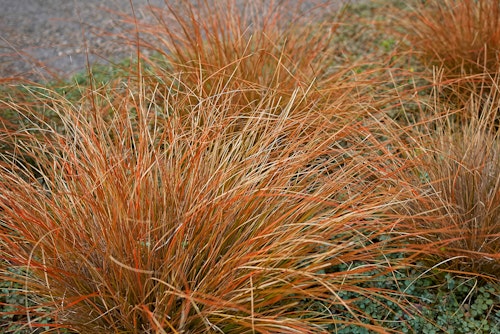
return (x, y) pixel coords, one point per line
(42, 38)
(38, 37)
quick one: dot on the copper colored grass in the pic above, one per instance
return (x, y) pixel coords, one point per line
(462, 36)
(138, 217)
(216, 189)
(456, 213)
(461, 39)
(248, 47)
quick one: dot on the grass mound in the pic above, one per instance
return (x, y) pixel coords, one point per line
(236, 178)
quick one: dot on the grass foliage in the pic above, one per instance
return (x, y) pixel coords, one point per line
(461, 36)
(238, 178)
(459, 173)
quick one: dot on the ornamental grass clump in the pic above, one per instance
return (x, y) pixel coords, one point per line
(459, 173)
(249, 47)
(461, 36)
(459, 39)
(161, 218)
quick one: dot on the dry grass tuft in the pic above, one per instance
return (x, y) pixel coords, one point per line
(461, 36)
(248, 47)
(236, 180)
(457, 212)
(139, 217)
(458, 39)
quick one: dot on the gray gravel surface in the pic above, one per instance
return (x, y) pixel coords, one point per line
(43, 37)
(40, 39)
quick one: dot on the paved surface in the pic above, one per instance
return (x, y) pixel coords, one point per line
(43, 37)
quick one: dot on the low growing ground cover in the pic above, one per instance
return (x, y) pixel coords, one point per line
(259, 173)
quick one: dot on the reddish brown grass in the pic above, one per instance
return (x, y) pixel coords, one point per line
(461, 36)
(249, 47)
(144, 221)
(222, 184)
(456, 213)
